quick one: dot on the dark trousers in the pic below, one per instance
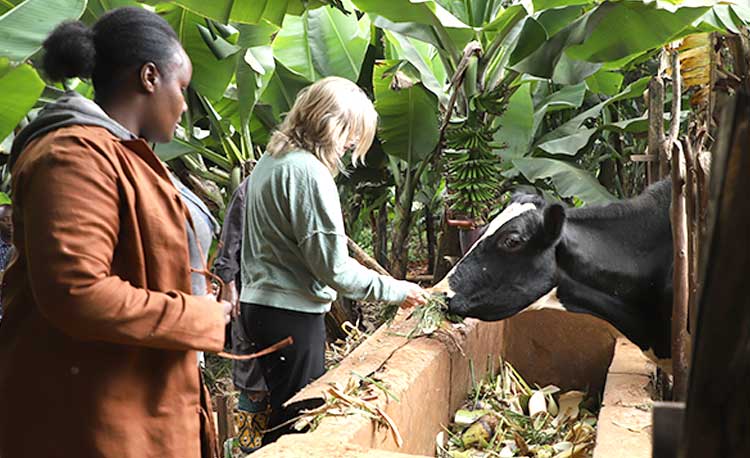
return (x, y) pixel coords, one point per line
(290, 369)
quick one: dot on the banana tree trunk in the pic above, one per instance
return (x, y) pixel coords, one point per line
(380, 226)
(431, 239)
(404, 217)
(400, 245)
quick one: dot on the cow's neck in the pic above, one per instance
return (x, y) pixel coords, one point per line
(576, 296)
(611, 264)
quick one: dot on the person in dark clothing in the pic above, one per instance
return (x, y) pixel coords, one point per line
(251, 414)
(6, 244)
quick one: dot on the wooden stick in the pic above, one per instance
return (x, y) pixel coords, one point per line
(365, 259)
(224, 419)
(693, 232)
(674, 126)
(275, 347)
(679, 279)
(655, 123)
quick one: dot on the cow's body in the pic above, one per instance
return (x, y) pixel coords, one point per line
(613, 261)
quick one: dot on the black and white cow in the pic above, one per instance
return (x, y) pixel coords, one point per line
(613, 261)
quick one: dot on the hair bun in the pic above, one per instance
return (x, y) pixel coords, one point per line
(69, 51)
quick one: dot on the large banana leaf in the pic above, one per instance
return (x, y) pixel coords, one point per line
(282, 90)
(610, 32)
(573, 126)
(96, 8)
(421, 12)
(6, 5)
(291, 47)
(338, 42)
(632, 27)
(408, 116)
(241, 11)
(566, 98)
(421, 19)
(254, 72)
(540, 5)
(605, 82)
(543, 61)
(569, 145)
(24, 28)
(323, 42)
(211, 76)
(516, 124)
(21, 87)
(569, 181)
(418, 54)
(475, 13)
(532, 36)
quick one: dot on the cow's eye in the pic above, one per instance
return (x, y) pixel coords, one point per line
(511, 242)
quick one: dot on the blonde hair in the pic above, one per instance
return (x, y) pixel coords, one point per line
(326, 117)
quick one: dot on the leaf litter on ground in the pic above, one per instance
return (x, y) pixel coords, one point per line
(504, 417)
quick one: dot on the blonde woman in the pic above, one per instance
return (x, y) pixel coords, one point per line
(294, 253)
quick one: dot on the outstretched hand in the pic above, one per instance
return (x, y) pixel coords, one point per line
(416, 296)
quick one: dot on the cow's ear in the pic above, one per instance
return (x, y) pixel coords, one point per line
(554, 218)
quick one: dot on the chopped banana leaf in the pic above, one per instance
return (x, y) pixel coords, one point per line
(505, 417)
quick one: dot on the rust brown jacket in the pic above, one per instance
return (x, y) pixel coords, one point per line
(97, 344)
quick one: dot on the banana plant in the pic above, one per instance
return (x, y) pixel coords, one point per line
(576, 43)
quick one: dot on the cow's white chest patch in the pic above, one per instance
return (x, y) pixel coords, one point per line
(549, 301)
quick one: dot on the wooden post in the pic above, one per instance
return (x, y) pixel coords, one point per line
(693, 232)
(717, 420)
(668, 421)
(655, 126)
(665, 154)
(680, 338)
(225, 421)
(680, 279)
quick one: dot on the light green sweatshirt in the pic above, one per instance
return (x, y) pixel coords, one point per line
(294, 253)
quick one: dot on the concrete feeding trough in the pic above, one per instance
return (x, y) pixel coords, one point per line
(431, 378)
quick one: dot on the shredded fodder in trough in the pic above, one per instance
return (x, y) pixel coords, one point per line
(504, 417)
(341, 348)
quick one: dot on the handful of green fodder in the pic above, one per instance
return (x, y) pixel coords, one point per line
(504, 417)
(429, 317)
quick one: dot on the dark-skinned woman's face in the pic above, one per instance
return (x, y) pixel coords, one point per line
(169, 99)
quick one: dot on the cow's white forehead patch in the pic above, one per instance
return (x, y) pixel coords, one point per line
(510, 212)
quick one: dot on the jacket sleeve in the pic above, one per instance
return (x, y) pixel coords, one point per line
(227, 264)
(70, 208)
(319, 228)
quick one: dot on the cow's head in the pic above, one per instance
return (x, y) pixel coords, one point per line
(511, 266)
